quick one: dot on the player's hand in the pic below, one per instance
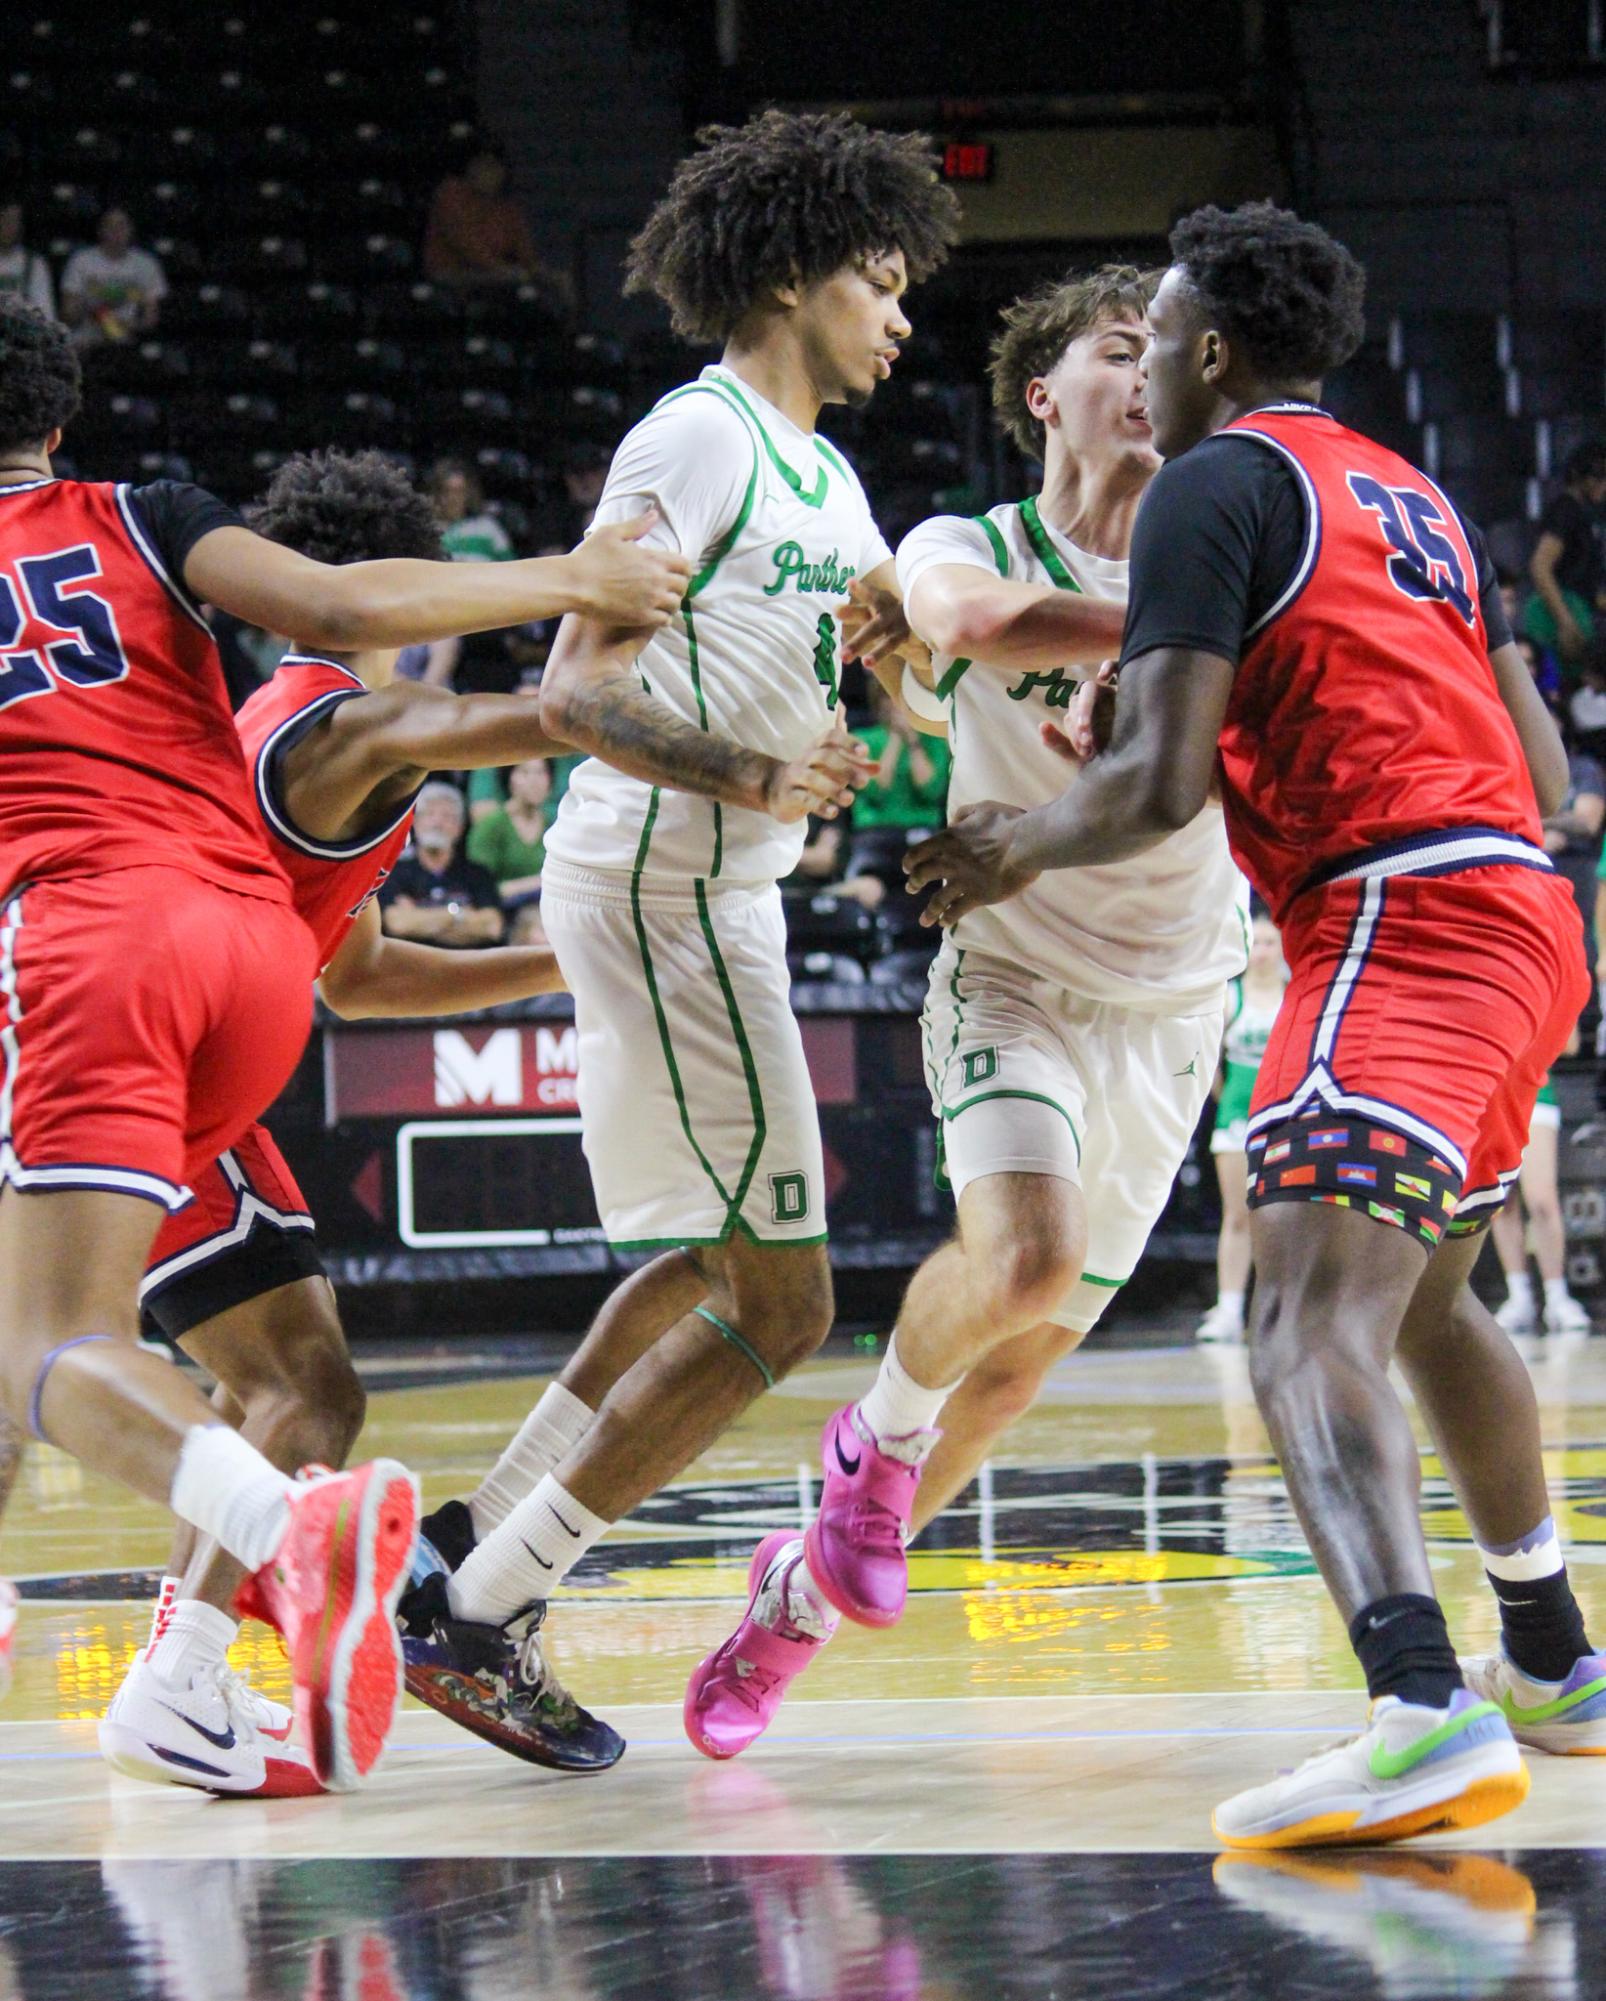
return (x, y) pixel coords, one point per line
(967, 864)
(822, 780)
(1091, 718)
(874, 626)
(619, 581)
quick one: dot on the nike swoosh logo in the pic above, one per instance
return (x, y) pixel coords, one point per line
(562, 1524)
(538, 1559)
(1543, 1712)
(849, 1466)
(1387, 1764)
(223, 1739)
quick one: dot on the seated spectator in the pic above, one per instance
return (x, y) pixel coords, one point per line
(111, 289)
(470, 533)
(1587, 710)
(1572, 833)
(911, 775)
(1568, 565)
(820, 864)
(510, 841)
(23, 272)
(477, 233)
(435, 892)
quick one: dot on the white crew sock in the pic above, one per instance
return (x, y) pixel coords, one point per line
(532, 1552)
(225, 1488)
(806, 1604)
(1520, 1287)
(1231, 1302)
(1556, 1293)
(197, 1636)
(166, 1598)
(557, 1424)
(897, 1405)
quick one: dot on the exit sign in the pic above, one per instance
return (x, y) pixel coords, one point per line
(967, 160)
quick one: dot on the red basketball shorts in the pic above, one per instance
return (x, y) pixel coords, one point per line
(1421, 1018)
(246, 1233)
(147, 1018)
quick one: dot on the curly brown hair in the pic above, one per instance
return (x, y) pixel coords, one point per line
(346, 507)
(787, 198)
(1041, 326)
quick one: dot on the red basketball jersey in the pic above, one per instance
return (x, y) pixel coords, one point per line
(331, 881)
(117, 748)
(1364, 710)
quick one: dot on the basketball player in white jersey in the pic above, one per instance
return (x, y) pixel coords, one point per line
(790, 241)
(1071, 1035)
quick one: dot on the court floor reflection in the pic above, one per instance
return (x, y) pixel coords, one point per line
(1397, 1926)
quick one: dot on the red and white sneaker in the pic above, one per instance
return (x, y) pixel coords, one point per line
(332, 1592)
(8, 1630)
(217, 1735)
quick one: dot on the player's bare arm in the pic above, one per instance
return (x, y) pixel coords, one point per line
(1154, 778)
(1542, 748)
(364, 756)
(877, 633)
(399, 601)
(593, 698)
(373, 975)
(965, 614)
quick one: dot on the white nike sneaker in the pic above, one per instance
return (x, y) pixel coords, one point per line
(1517, 1314)
(1412, 1770)
(218, 1735)
(1567, 1315)
(1566, 1718)
(1221, 1323)
(8, 1630)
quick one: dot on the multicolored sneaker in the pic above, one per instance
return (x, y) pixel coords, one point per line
(217, 1735)
(331, 1590)
(1412, 1770)
(1566, 1718)
(732, 1696)
(495, 1682)
(8, 1630)
(855, 1545)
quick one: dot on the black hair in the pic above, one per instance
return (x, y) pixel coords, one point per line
(346, 507)
(1585, 461)
(41, 383)
(787, 198)
(1286, 289)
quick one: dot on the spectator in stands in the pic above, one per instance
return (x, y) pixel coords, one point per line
(1572, 833)
(510, 841)
(435, 892)
(911, 776)
(1586, 712)
(477, 233)
(111, 289)
(23, 272)
(1568, 565)
(820, 864)
(470, 533)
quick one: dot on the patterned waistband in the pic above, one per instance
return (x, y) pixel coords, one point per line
(1448, 851)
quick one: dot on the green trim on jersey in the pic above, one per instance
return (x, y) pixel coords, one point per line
(793, 478)
(1037, 1098)
(958, 669)
(1043, 549)
(1110, 1284)
(755, 1097)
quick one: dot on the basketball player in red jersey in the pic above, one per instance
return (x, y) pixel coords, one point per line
(156, 979)
(1313, 605)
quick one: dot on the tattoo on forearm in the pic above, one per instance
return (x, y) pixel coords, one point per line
(620, 722)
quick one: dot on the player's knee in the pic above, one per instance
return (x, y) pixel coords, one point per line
(784, 1314)
(1026, 1276)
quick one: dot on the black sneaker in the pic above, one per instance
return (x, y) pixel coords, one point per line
(495, 1682)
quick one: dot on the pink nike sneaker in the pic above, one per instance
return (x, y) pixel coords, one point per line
(855, 1547)
(732, 1697)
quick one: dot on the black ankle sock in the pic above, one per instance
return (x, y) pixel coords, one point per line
(1404, 1646)
(1541, 1624)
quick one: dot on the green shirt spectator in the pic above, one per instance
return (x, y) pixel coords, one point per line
(511, 840)
(911, 781)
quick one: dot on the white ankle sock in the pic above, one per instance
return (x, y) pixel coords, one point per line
(1520, 1286)
(166, 1598)
(897, 1404)
(532, 1552)
(196, 1636)
(225, 1488)
(558, 1423)
(1556, 1293)
(1231, 1302)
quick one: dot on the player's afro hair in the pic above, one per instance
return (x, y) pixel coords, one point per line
(346, 507)
(1283, 287)
(787, 198)
(1041, 326)
(41, 384)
